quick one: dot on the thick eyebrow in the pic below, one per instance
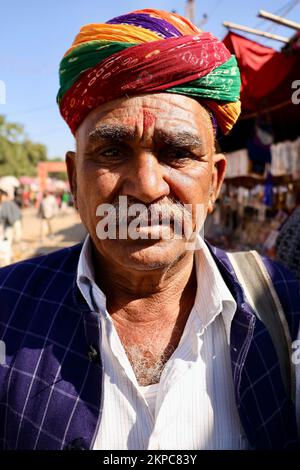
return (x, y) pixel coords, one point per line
(119, 133)
(178, 138)
(110, 132)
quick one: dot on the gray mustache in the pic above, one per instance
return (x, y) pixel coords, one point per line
(164, 212)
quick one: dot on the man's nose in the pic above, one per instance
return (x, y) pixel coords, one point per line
(145, 179)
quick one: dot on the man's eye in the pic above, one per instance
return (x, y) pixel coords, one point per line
(111, 153)
(177, 154)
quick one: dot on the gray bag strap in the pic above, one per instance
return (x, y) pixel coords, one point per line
(261, 295)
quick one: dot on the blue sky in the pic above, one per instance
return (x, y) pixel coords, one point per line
(34, 36)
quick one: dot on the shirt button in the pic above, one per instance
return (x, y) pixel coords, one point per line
(93, 354)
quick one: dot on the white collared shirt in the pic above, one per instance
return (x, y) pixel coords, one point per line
(193, 406)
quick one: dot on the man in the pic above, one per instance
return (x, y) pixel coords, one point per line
(10, 223)
(140, 341)
(5, 244)
(47, 210)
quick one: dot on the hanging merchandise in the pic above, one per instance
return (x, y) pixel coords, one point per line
(286, 158)
(265, 136)
(237, 163)
(295, 154)
(278, 159)
(259, 146)
(268, 194)
(290, 198)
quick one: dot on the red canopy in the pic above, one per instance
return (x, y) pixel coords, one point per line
(267, 75)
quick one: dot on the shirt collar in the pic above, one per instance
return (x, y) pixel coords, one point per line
(212, 297)
(85, 278)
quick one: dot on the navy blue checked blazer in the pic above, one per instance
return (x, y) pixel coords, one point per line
(50, 385)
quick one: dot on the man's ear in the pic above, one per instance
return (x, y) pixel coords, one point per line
(218, 175)
(71, 169)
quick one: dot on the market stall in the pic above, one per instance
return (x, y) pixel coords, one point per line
(262, 186)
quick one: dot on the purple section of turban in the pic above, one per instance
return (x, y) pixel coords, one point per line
(159, 26)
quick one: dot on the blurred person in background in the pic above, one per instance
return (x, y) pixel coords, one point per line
(11, 216)
(65, 200)
(47, 210)
(5, 245)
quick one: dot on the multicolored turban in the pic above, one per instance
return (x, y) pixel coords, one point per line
(147, 51)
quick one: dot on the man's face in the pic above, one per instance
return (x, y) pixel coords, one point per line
(154, 149)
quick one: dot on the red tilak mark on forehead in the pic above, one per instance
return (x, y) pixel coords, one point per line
(149, 119)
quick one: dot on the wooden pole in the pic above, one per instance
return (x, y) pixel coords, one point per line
(278, 19)
(275, 37)
(190, 10)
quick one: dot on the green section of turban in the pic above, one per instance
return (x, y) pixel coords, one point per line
(82, 58)
(222, 84)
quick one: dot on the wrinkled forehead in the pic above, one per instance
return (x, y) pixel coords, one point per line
(147, 112)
